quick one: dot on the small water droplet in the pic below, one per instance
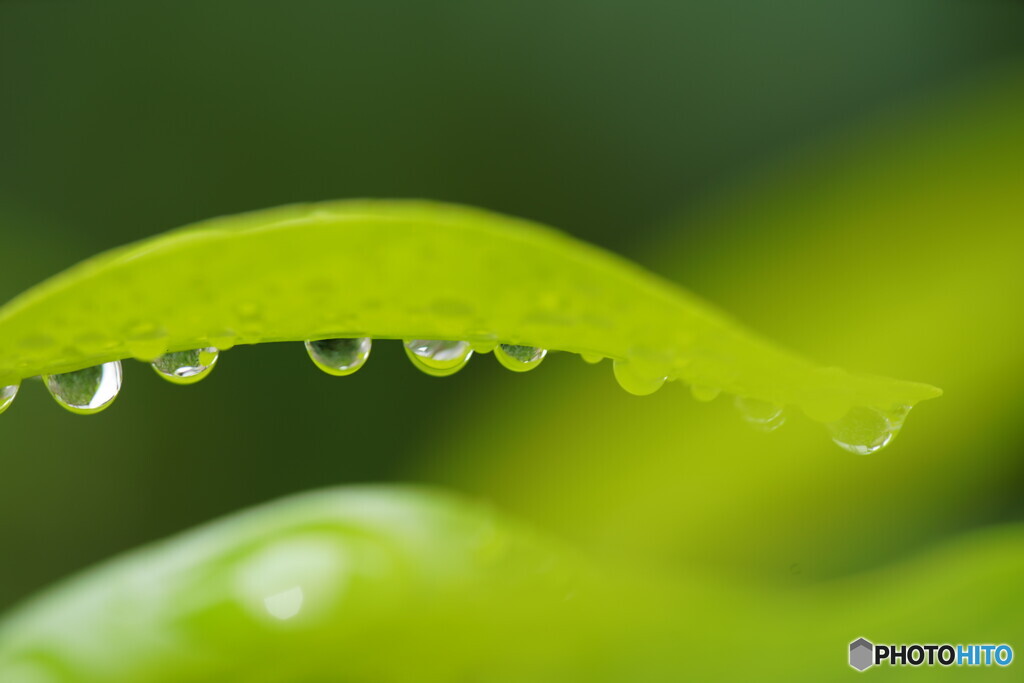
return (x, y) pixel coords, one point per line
(866, 430)
(223, 340)
(339, 357)
(761, 415)
(86, 391)
(592, 358)
(484, 345)
(704, 393)
(637, 378)
(519, 358)
(186, 367)
(438, 357)
(7, 395)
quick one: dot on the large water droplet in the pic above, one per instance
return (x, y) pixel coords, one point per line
(186, 367)
(339, 357)
(437, 357)
(519, 358)
(86, 391)
(7, 395)
(866, 430)
(761, 414)
(638, 378)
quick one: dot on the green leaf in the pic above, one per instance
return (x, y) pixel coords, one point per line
(392, 584)
(363, 583)
(403, 270)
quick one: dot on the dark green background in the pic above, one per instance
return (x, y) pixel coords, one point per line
(607, 119)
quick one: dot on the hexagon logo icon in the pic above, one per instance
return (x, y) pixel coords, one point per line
(862, 654)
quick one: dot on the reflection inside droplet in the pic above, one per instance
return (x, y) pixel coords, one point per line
(760, 414)
(7, 394)
(519, 358)
(339, 357)
(86, 391)
(186, 367)
(438, 357)
(864, 430)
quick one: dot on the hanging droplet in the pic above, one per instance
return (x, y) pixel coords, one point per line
(484, 345)
(519, 358)
(705, 393)
(7, 395)
(186, 367)
(437, 357)
(223, 340)
(638, 378)
(591, 358)
(339, 357)
(86, 391)
(761, 414)
(865, 430)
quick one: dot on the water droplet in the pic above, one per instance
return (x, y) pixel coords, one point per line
(339, 357)
(638, 378)
(704, 393)
(186, 367)
(437, 357)
(223, 341)
(7, 395)
(866, 430)
(519, 358)
(484, 345)
(86, 391)
(591, 358)
(761, 414)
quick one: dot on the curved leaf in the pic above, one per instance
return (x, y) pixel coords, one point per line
(406, 269)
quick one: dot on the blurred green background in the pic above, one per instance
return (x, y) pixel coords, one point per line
(844, 177)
